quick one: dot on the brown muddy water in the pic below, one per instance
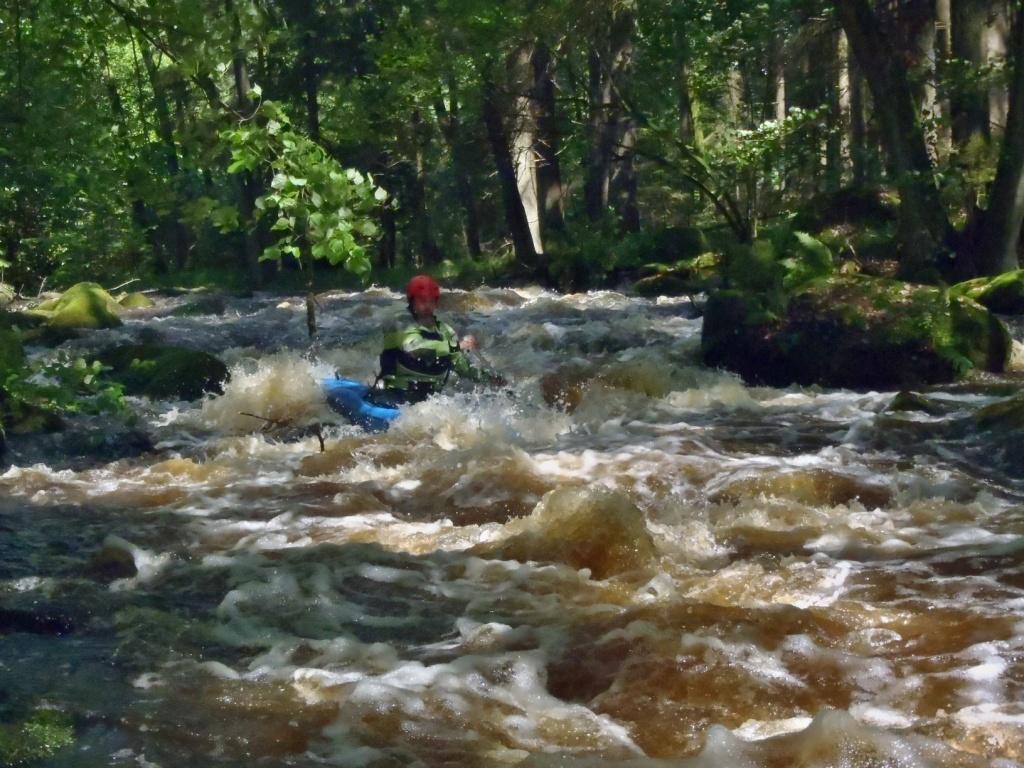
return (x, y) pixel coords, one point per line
(626, 559)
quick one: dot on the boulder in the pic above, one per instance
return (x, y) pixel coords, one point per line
(7, 294)
(213, 304)
(1003, 293)
(164, 372)
(853, 331)
(114, 560)
(684, 278)
(85, 305)
(136, 301)
(1002, 415)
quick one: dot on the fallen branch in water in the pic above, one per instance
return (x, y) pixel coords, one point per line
(122, 285)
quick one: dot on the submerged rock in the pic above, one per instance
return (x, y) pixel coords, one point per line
(85, 305)
(853, 331)
(584, 528)
(1002, 415)
(114, 560)
(911, 401)
(165, 372)
(213, 304)
(1003, 293)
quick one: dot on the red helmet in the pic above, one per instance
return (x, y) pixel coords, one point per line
(423, 286)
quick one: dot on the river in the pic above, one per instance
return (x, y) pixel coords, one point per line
(624, 559)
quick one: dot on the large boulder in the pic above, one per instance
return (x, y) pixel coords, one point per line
(7, 294)
(1003, 293)
(853, 331)
(165, 372)
(85, 305)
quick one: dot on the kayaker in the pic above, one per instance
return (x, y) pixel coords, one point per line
(420, 355)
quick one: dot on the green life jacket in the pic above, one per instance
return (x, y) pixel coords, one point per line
(417, 360)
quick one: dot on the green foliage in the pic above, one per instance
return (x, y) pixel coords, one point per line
(38, 394)
(777, 264)
(319, 206)
(41, 736)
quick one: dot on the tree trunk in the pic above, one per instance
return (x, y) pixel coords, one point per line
(546, 143)
(996, 42)
(523, 134)
(179, 234)
(834, 44)
(922, 222)
(247, 183)
(451, 128)
(387, 246)
(142, 215)
(608, 66)
(427, 252)
(858, 126)
(311, 85)
(623, 183)
(943, 50)
(1001, 233)
(515, 215)
(970, 102)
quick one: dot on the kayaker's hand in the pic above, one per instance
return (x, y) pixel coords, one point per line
(468, 343)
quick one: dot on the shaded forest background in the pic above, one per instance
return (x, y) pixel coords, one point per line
(566, 142)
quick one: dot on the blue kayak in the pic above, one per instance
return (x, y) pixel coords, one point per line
(350, 399)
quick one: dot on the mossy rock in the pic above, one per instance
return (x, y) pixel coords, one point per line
(670, 283)
(29, 419)
(136, 301)
(7, 294)
(853, 331)
(165, 372)
(683, 278)
(911, 401)
(1003, 415)
(85, 305)
(1003, 293)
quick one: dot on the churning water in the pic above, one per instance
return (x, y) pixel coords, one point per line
(624, 559)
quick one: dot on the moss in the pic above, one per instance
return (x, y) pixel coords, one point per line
(1003, 293)
(85, 305)
(41, 736)
(6, 294)
(853, 331)
(136, 301)
(12, 354)
(165, 372)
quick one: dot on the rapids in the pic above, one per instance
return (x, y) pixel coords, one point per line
(624, 559)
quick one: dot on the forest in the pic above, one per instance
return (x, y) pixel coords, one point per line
(712, 454)
(569, 143)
